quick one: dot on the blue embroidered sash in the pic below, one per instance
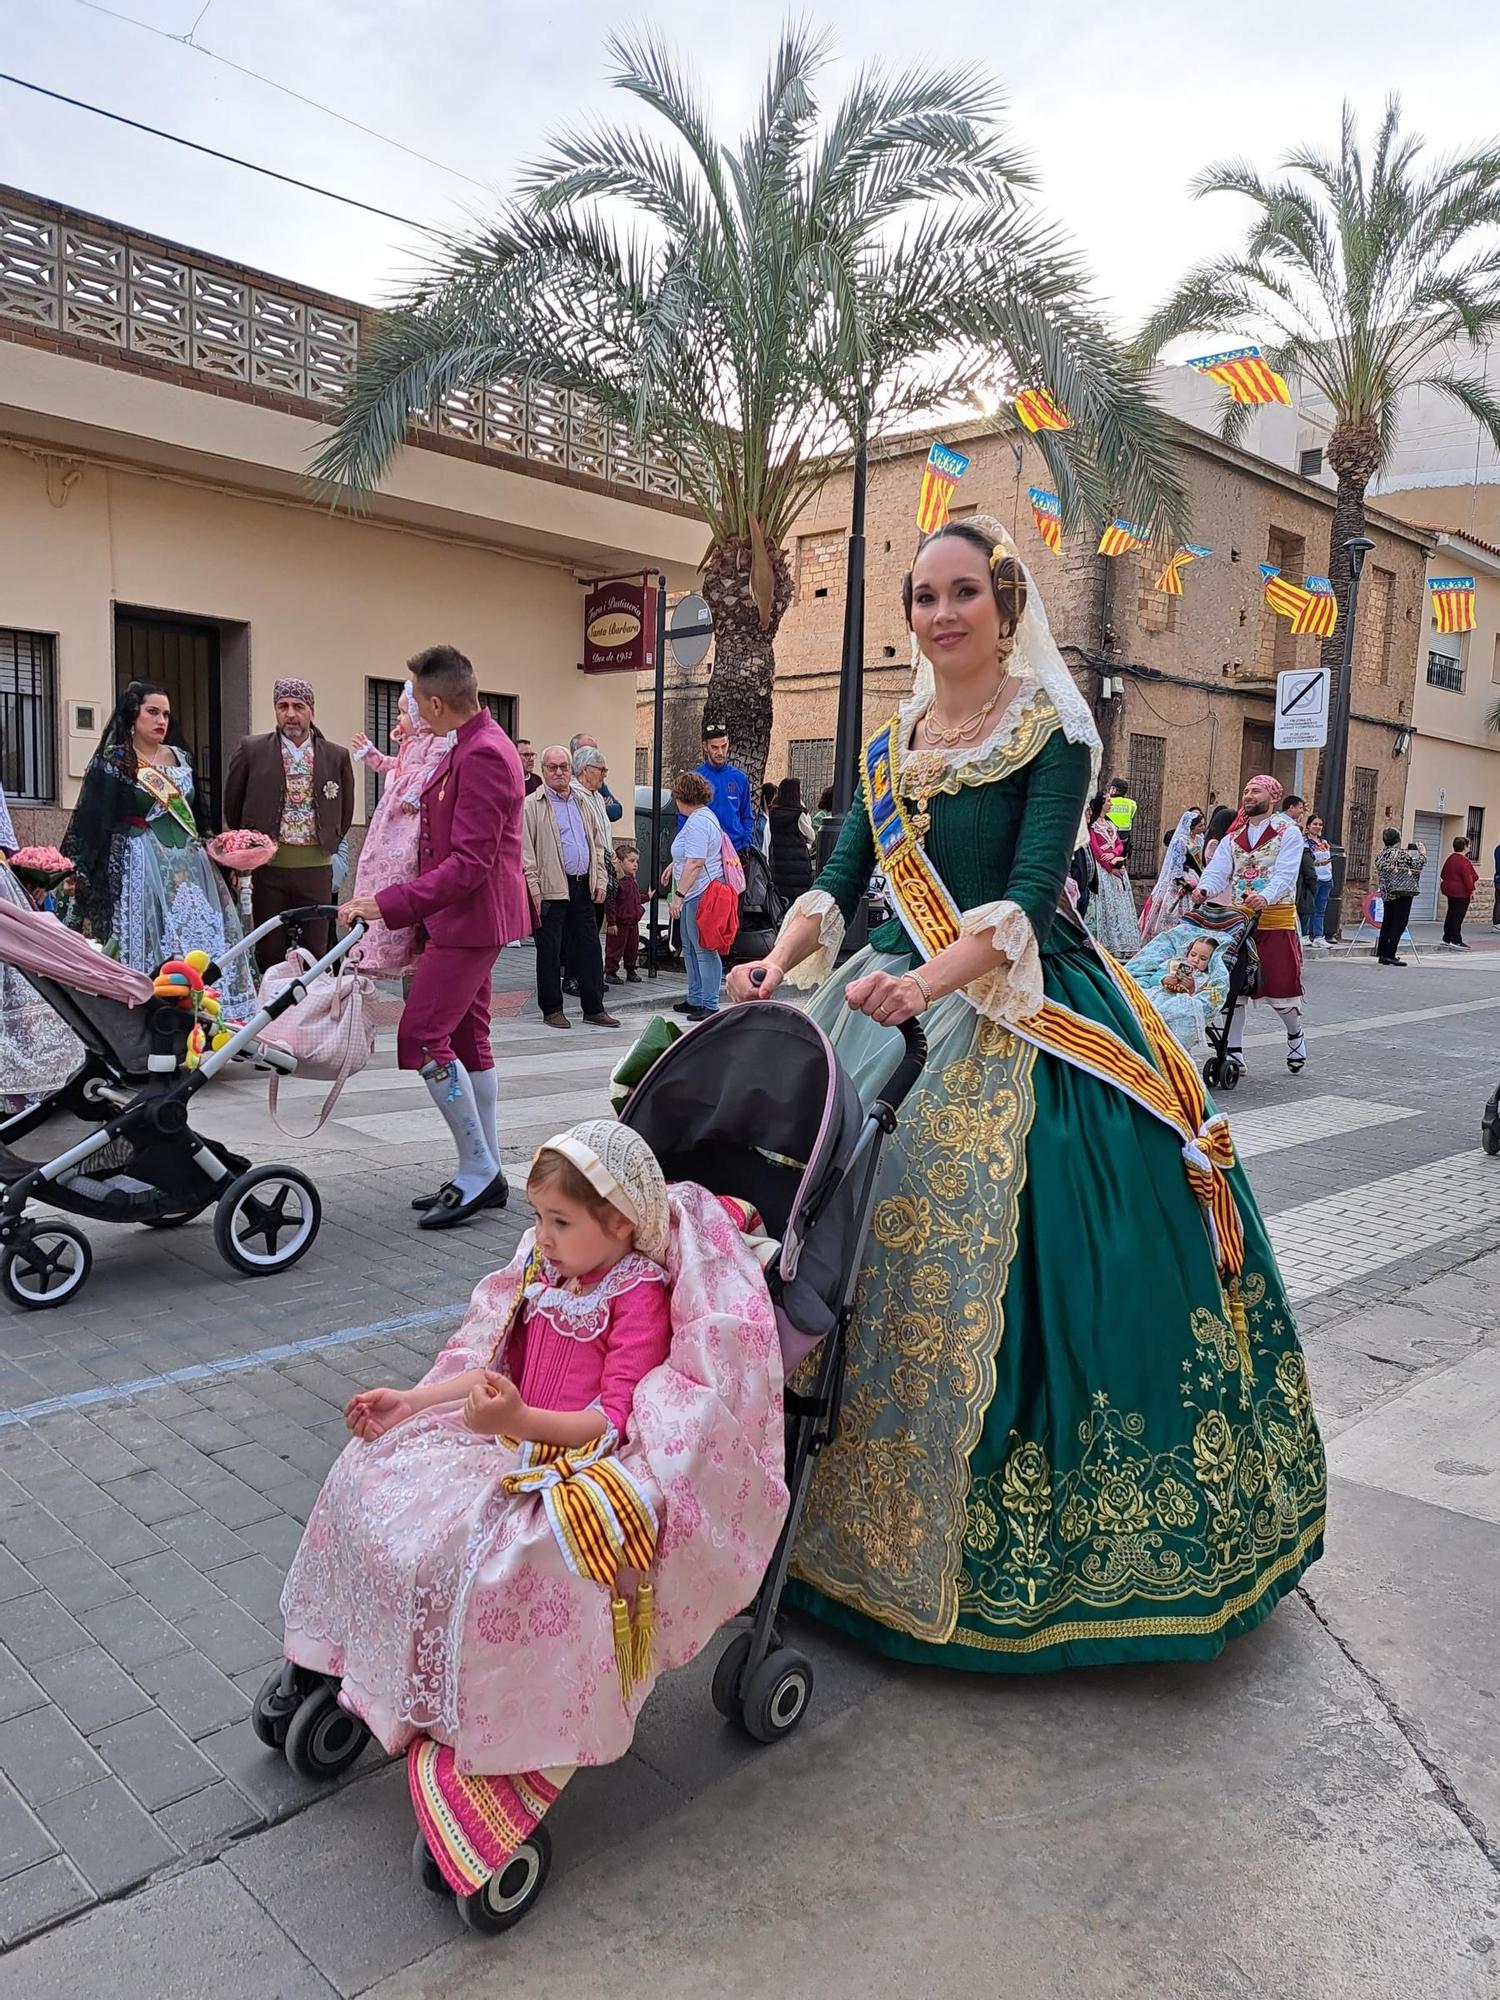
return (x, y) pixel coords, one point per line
(928, 914)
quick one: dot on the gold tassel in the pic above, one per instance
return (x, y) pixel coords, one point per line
(619, 1612)
(645, 1630)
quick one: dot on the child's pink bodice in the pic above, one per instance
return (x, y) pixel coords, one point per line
(576, 1350)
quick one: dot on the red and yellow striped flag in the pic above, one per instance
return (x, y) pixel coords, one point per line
(1245, 374)
(1170, 580)
(1320, 614)
(1453, 607)
(1287, 599)
(1120, 537)
(1039, 410)
(1046, 511)
(941, 473)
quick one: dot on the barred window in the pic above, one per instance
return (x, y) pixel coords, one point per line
(810, 758)
(382, 706)
(28, 718)
(1362, 822)
(642, 764)
(1146, 779)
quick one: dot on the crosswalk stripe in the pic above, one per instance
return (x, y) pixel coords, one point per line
(1304, 1121)
(1324, 1244)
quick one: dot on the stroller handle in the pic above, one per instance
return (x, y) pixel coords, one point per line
(913, 1061)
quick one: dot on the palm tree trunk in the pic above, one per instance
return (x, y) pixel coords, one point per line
(1348, 521)
(742, 683)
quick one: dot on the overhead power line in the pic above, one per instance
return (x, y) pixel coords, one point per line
(213, 153)
(186, 42)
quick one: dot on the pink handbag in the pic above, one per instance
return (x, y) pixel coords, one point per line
(330, 1031)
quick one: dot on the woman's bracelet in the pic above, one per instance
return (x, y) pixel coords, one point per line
(922, 987)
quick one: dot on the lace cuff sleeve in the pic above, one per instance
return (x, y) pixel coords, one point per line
(1013, 991)
(816, 967)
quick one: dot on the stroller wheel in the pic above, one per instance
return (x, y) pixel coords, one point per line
(266, 1219)
(776, 1695)
(1229, 1077)
(1213, 1069)
(1489, 1137)
(46, 1265)
(728, 1674)
(512, 1889)
(323, 1739)
(281, 1694)
(425, 1869)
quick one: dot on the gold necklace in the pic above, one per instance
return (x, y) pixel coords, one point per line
(950, 738)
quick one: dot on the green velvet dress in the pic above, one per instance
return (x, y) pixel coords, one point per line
(1055, 1449)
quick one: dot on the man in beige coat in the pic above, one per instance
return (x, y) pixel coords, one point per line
(562, 853)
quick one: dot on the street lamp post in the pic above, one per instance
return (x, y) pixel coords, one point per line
(1333, 769)
(849, 730)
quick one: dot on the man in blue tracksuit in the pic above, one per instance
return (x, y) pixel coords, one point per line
(730, 786)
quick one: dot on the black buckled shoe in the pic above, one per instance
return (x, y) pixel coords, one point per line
(496, 1195)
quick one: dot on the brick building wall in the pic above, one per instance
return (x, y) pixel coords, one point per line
(1196, 714)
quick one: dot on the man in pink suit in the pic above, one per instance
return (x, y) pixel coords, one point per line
(469, 900)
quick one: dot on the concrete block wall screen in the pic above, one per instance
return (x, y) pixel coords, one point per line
(1333, 769)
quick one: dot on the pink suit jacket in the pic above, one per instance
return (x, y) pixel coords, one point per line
(470, 890)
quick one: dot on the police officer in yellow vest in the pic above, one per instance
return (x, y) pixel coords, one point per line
(1120, 810)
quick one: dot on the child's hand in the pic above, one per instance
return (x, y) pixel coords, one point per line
(493, 1407)
(373, 1412)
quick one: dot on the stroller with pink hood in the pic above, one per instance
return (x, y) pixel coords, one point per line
(141, 1162)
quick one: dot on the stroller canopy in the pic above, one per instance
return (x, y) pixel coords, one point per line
(753, 1104)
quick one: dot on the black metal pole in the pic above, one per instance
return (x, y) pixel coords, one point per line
(1333, 769)
(849, 734)
(653, 939)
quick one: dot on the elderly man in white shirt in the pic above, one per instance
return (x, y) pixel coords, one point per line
(1255, 867)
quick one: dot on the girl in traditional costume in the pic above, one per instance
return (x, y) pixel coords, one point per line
(1076, 1427)
(1111, 912)
(1172, 892)
(146, 888)
(586, 1483)
(389, 854)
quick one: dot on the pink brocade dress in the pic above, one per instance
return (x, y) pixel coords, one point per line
(433, 1593)
(389, 854)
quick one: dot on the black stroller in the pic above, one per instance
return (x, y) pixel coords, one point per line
(753, 1104)
(143, 1162)
(1236, 929)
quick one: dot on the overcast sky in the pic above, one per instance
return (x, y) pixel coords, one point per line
(1119, 104)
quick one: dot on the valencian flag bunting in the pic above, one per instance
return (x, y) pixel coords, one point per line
(1286, 598)
(1247, 377)
(1120, 537)
(1452, 603)
(1039, 410)
(1320, 614)
(1046, 511)
(1170, 579)
(942, 472)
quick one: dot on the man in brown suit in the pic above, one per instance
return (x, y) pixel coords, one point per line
(297, 787)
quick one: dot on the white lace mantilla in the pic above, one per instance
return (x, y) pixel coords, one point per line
(585, 1315)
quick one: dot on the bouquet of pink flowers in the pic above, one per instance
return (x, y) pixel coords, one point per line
(241, 849)
(40, 867)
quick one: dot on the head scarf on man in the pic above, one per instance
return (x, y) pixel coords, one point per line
(1272, 785)
(292, 689)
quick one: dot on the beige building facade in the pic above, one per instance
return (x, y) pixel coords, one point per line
(1454, 783)
(1182, 687)
(159, 410)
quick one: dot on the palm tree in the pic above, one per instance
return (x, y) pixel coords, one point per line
(1364, 278)
(749, 311)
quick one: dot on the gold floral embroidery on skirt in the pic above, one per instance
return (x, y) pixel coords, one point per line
(1236, 1500)
(885, 1522)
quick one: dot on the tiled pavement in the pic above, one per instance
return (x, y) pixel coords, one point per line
(163, 1440)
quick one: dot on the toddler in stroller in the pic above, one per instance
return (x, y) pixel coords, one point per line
(1195, 974)
(141, 1162)
(586, 1484)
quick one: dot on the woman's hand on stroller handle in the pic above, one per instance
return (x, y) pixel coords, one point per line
(755, 982)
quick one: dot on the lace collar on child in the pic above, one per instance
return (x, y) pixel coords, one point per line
(585, 1315)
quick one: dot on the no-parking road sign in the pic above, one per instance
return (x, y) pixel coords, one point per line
(1302, 708)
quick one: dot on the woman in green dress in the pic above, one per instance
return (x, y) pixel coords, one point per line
(146, 887)
(1076, 1427)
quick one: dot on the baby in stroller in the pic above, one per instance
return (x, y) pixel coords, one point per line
(1185, 974)
(587, 1483)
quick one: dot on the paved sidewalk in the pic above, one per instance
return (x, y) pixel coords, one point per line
(1317, 1813)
